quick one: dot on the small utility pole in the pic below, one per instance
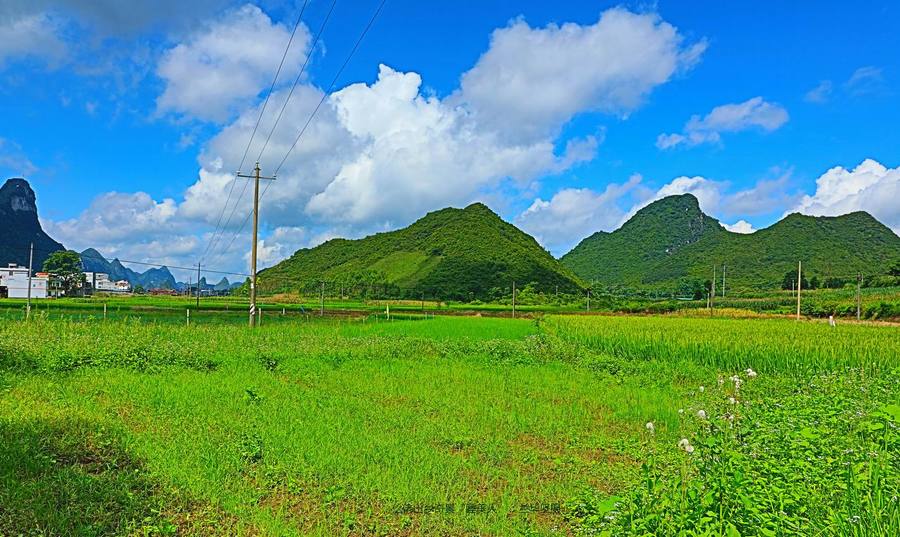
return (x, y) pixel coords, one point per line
(589, 299)
(723, 280)
(514, 300)
(799, 285)
(712, 291)
(858, 285)
(256, 177)
(198, 285)
(30, 266)
(322, 299)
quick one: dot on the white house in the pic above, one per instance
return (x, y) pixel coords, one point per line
(14, 283)
(100, 282)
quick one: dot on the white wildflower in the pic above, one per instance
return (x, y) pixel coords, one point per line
(650, 427)
(685, 445)
(702, 389)
(732, 401)
(701, 414)
(721, 381)
(681, 411)
(750, 373)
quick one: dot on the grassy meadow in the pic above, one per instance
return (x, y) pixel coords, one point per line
(556, 425)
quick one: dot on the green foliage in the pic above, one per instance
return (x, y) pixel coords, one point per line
(65, 269)
(453, 254)
(820, 460)
(671, 239)
(364, 427)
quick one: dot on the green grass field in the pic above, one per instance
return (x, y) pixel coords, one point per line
(449, 426)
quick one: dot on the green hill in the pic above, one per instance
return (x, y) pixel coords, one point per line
(671, 241)
(452, 253)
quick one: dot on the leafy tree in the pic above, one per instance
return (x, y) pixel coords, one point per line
(814, 282)
(139, 289)
(65, 268)
(895, 269)
(790, 277)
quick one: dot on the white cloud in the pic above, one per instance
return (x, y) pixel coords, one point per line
(821, 93)
(381, 154)
(116, 16)
(720, 200)
(865, 80)
(574, 213)
(741, 226)
(31, 35)
(224, 66)
(753, 113)
(531, 81)
(13, 159)
(869, 187)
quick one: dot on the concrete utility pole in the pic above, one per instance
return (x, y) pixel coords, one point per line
(322, 300)
(30, 266)
(256, 177)
(589, 299)
(712, 291)
(799, 285)
(858, 285)
(723, 280)
(198, 285)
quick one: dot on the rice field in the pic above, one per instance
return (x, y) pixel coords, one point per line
(558, 425)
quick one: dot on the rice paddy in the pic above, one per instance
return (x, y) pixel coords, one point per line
(557, 425)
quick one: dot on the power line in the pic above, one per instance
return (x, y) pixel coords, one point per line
(216, 233)
(129, 261)
(308, 121)
(296, 80)
(327, 92)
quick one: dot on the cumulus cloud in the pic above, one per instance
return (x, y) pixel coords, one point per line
(741, 226)
(31, 35)
(869, 187)
(381, 154)
(755, 113)
(720, 200)
(225, 65)
(574, 213)
(531, 81)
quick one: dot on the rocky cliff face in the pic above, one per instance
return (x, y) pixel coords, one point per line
(19, 226)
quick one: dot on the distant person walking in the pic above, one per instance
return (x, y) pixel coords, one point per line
(831, 322)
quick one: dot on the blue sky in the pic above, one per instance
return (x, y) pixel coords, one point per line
(564, 117)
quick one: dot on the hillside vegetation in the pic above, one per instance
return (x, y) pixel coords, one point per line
(672, 243)
(464, 254)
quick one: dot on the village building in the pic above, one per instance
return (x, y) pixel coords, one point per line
(99, 282)
(14, 283)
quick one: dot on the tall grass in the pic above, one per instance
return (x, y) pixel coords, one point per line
(767, 345)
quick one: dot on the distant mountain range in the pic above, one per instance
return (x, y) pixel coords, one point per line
(672, 240)
(452, 253)
(472, 253)
(20, 227)
(153, 278)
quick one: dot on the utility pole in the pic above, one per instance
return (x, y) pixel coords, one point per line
(514, 300)
(198, 286)
(799, 285)
(322, 299)
(858, 285)
(30, 266)
(589, 299)
(256, 177)
(712, 291)
(723, 280)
